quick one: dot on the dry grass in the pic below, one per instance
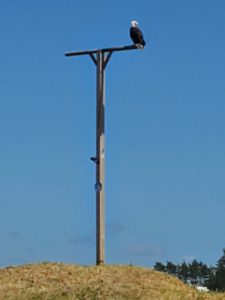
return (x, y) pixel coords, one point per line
(54, 281)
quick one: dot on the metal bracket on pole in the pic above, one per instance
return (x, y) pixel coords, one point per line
(99, 59)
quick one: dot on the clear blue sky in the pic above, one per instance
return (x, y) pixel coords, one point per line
(165, 131)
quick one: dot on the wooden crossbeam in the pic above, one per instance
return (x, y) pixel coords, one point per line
(123, 48)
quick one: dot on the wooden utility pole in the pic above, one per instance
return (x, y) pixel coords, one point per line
(100, 57)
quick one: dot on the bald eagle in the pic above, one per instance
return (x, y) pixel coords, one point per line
(136, 34)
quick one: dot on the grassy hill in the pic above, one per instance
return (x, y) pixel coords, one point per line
(53, 281)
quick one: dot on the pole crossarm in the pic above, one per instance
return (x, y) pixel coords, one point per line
(91, 52)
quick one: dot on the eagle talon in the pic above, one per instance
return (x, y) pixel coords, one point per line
(139, 46)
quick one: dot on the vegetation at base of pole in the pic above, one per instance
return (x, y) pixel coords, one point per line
(57, 281)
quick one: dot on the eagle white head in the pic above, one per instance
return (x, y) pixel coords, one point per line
(134, 23)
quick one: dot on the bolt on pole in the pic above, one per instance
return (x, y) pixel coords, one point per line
(100, 57)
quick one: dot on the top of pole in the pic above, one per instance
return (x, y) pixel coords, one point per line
(123, 48)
